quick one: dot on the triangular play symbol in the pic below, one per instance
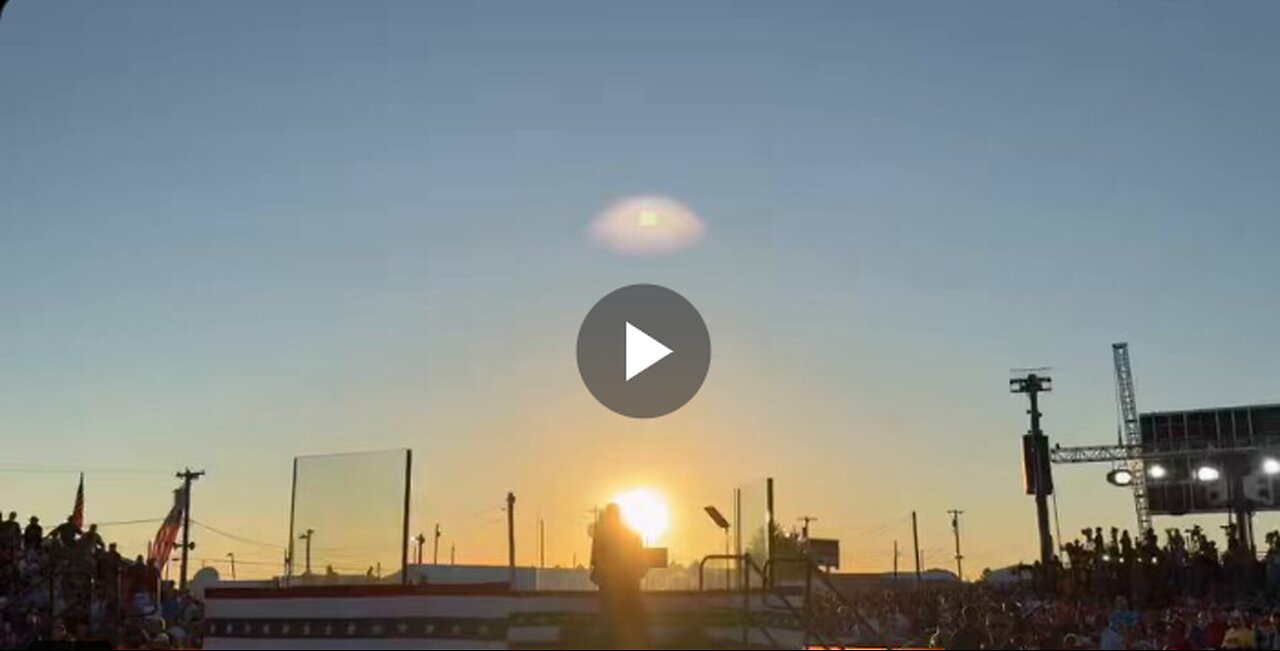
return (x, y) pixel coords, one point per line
(643, 351)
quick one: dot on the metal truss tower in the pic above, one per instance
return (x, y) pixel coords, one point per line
(1132, 432)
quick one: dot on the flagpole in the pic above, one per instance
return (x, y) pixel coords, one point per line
(77, 509)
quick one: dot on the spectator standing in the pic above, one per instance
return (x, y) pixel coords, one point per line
(91, 541)
(67, 533)
(33, 535)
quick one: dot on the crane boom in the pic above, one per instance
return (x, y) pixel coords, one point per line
(1132, 432)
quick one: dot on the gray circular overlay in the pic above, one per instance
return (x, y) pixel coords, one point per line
(658, 316)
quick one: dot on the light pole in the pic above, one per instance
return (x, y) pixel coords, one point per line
(1035, 457)
(232, 556)
(722, 522)
(511, 538)
(421, 539)
(435, 547)
(306, 537)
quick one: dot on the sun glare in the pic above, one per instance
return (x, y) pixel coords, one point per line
(647, 225)
(645, 511)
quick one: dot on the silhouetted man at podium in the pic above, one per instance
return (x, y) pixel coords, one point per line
(618, 563)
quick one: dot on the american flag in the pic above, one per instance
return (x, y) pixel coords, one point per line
(162, 546)
(77, 511)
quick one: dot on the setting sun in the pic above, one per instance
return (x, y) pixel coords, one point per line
(645, 511)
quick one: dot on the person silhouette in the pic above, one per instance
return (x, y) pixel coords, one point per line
(33, 534)
(617, 566)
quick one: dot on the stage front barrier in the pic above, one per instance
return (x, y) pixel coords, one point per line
(479, 617)
(348, 518)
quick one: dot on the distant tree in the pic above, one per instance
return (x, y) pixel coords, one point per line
(783, 548)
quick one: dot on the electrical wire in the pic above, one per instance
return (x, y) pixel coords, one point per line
(237, 538)
(126, 523)
(52, 470)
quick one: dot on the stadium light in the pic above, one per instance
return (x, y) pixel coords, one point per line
(1271, 466)
(1120, 477)
(1157, 471)
(1207, 473)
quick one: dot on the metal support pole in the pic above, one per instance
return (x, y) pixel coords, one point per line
(404, 529)
(511, 538)
(915, 537)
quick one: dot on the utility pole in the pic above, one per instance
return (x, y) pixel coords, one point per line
(435, 547)
(542, 543)
(453, 551)
(511, 537)
(955, 528)
(895, 561)
(306, 537)
(232, 556)
(421, 539)
(187, 476)
(804, 525)
(915, 537)
(1035, 457)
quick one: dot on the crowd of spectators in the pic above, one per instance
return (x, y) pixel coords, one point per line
(1105, 592)
(981, 617)
(67, 584)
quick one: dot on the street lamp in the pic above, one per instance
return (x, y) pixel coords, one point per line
(310, 533)
(421, 539)
(722, 522)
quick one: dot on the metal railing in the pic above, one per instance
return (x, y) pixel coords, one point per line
(767, 591)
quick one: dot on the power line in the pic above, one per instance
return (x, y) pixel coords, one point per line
(877, 528)
(261, 563)
(237, 538)
(125, 523)
(53, 470)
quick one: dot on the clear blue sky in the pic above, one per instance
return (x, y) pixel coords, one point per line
(235, 232)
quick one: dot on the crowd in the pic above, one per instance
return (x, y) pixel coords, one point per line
(980, 617)
(1151, 574)
(68, 584)
(1105, 592)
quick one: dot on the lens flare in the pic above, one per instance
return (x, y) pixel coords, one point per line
(647, 226)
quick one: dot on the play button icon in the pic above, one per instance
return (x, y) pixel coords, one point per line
(643, 351)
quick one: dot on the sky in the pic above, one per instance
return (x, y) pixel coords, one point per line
(235, 233)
